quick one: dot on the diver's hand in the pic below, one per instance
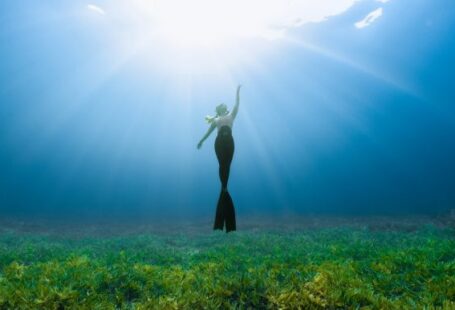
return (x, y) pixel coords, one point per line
(238, 88)
(199, 145)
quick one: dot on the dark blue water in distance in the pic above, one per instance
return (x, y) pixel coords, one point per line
(340, 120)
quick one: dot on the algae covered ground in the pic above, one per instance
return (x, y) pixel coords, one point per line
(308, 264)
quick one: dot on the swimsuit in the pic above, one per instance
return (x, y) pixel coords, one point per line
(224, 148)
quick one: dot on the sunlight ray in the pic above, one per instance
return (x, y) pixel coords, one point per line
(269, 168)
(359, 67)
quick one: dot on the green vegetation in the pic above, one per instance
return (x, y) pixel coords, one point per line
(318, 268)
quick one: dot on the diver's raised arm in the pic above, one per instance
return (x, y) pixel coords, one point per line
(207, 134)
(237, 102)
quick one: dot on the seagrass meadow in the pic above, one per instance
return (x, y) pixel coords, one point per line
(311, 263)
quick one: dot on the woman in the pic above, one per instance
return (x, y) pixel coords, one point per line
(224, 148)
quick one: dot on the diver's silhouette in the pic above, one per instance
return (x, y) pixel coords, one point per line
(224, 148)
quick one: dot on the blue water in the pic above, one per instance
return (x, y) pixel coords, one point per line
(338, 121)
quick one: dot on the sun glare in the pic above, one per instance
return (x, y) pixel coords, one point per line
(208, 23)
(209, 33)
(199, 29)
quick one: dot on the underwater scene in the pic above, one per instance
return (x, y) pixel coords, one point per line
(215, 154)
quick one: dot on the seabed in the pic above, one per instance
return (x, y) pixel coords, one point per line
(297, 262)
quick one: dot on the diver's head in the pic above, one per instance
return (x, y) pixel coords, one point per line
(221, 110)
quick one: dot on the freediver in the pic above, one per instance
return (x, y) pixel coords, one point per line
(224, 149)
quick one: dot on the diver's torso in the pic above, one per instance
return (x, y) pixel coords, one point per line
(225, 120)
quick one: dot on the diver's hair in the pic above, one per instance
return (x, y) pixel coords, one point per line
(210, 119)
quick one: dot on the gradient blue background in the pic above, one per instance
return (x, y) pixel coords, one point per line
(349, 122)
